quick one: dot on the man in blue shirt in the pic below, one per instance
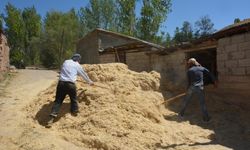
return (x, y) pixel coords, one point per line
(196, 86)
(66, 85)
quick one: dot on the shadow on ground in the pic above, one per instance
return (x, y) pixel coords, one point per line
(229, 122)
(42, 116)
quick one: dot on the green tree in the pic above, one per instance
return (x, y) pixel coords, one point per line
(186, 31)
(127, 18)
(204, 27)
(35, 50)
(108, 14)
(99, 14)
(59, 37)
(16, 34)
(159, 38)
(89, 17)
(236, 20)
(177, 39)
(153, 13)
(185, 34)
(1, 23)
(33, 25)
(168, 40)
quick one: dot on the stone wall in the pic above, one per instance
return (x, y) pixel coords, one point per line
(110, 40)
(233, 62)
(88, 48)
(138, 61)
(172, 69)
(90, 45)
(107, 58)
(4, 55)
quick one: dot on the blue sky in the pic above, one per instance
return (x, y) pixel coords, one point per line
(221, 12)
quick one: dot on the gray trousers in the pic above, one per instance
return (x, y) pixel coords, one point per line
(192, 90)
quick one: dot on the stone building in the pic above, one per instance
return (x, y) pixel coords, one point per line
(171, 62)
(4, 55)
(226, 54)
(102, 46)
(233, 56)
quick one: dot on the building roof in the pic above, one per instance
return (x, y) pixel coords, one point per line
(236, 28)
(211, 40)
(140, 45)
(137, 45)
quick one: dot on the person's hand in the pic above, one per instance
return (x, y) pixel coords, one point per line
(91, 83)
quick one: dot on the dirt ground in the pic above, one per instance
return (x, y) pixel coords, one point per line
(120, 112)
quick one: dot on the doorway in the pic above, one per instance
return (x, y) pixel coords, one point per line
(207, 59)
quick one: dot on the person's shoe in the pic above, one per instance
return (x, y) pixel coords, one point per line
(53, 115)
(75, 113)
(206, 119)
(180, 116)
(50, 122)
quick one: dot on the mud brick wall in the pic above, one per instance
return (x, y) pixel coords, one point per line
(4, 55)
(233, 62)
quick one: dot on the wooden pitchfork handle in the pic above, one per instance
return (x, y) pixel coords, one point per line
(173, 98)
(100, 86)
(95, 85)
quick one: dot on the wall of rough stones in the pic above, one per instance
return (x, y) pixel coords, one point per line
(233, 61)
(4, 55)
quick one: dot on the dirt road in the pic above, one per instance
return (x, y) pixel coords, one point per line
(16, 130)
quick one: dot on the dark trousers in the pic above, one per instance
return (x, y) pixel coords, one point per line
(64, 88)
(192, 90)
